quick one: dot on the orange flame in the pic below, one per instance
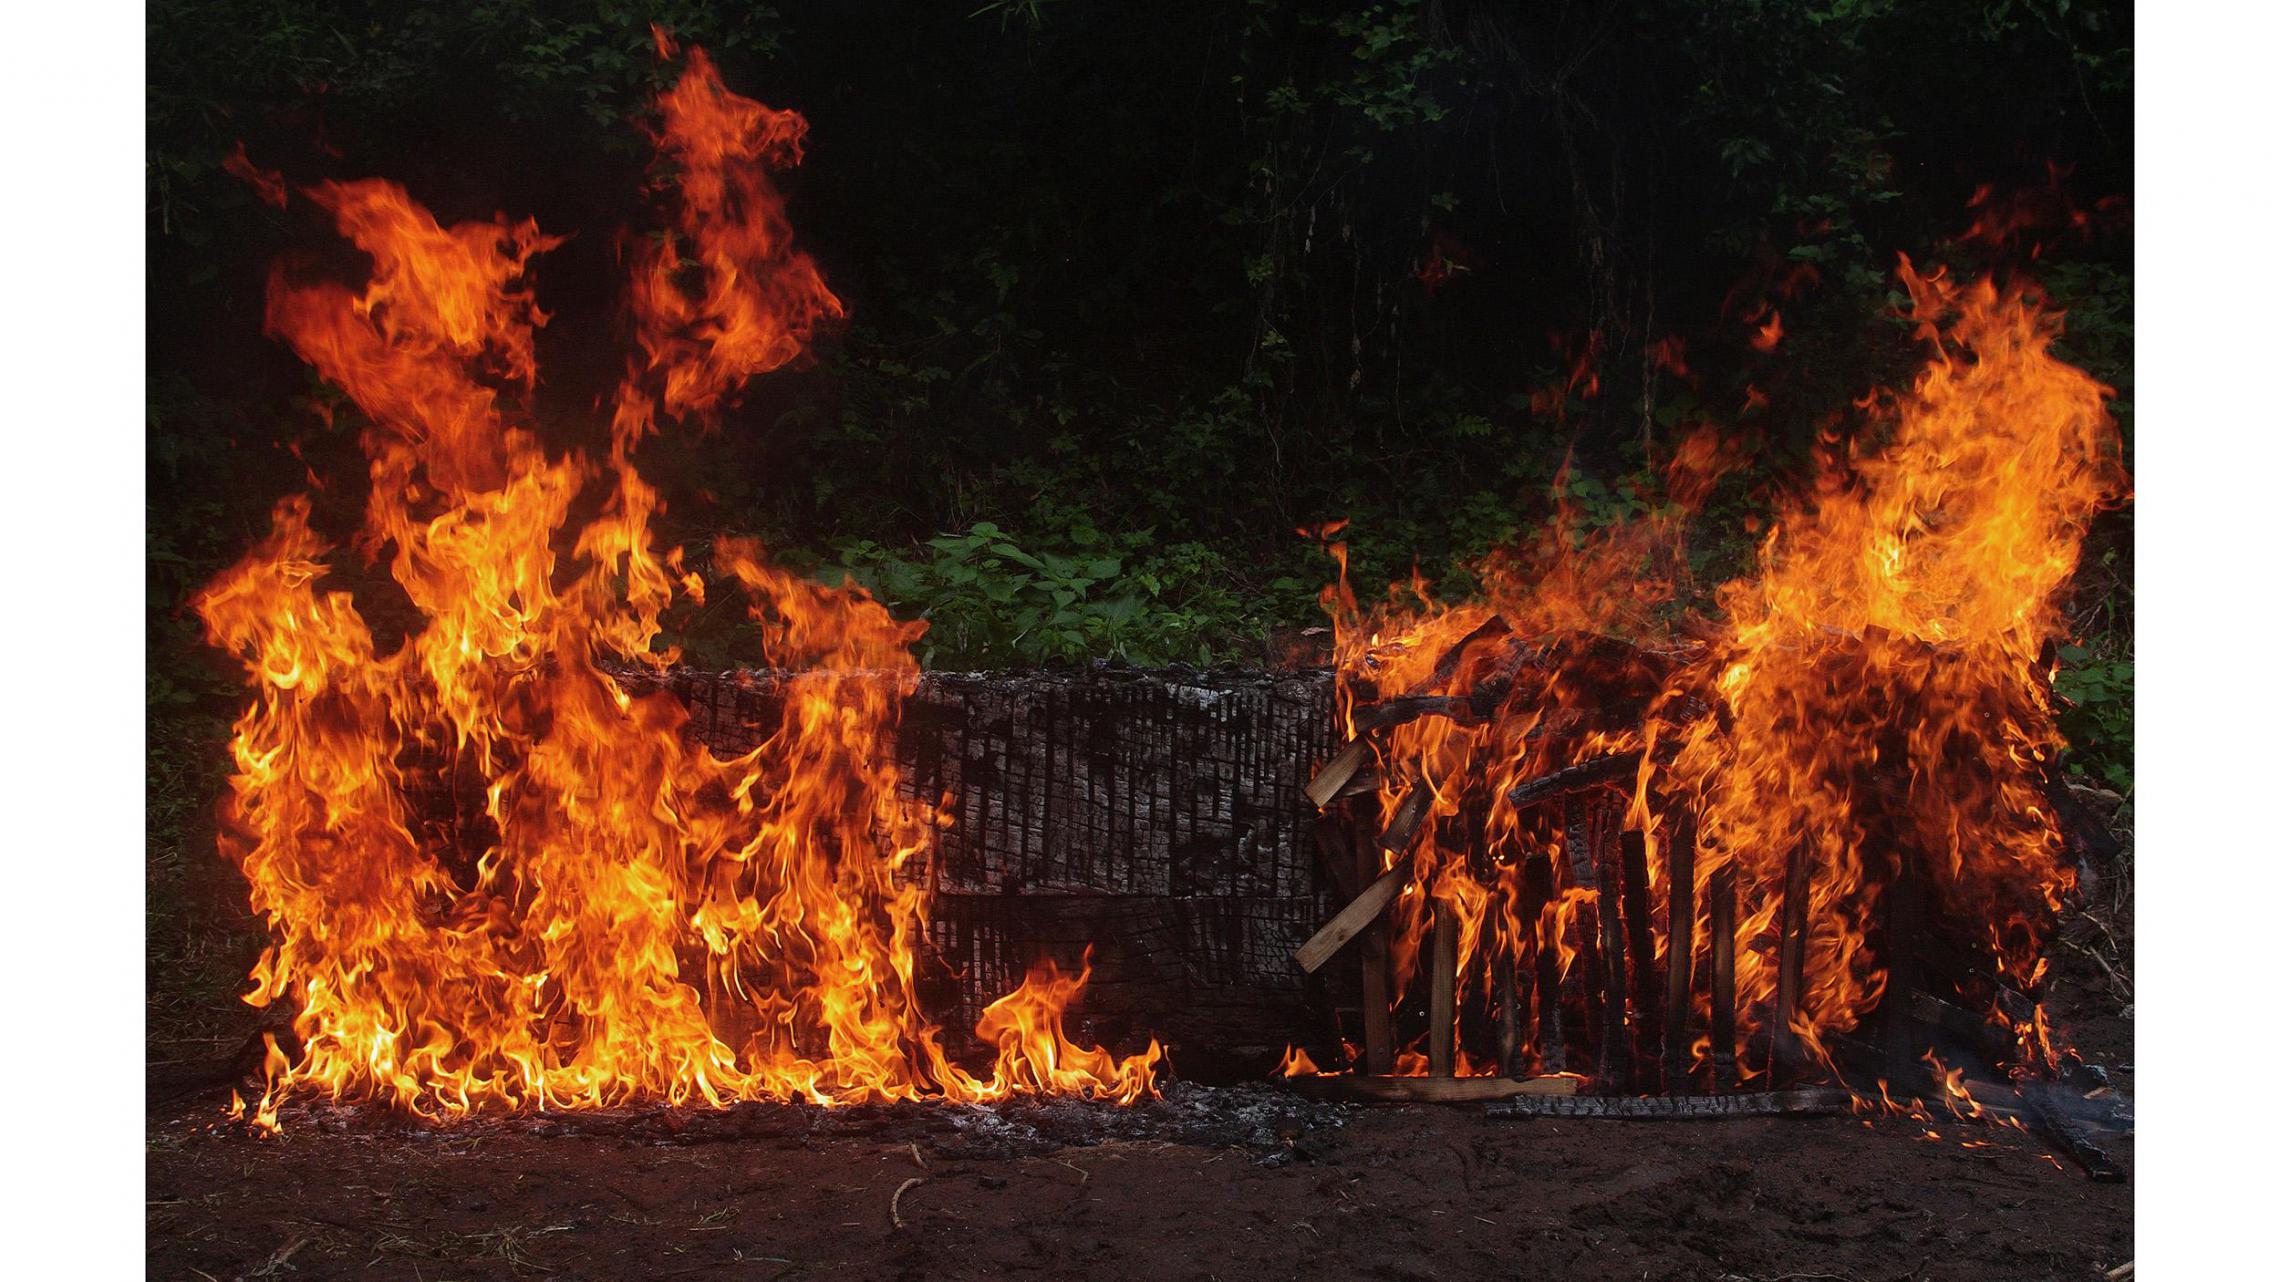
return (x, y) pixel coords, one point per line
(1874, 695)
(493, 878)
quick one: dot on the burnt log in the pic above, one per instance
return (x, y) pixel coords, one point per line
(1811, 1102)
(1598, 772)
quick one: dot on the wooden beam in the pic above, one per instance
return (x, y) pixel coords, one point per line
(1335, 772)
(1408, 818)
(1823, 1101)
(1724, 1074)
(1441, 1012)
(1384, 1089)
(1789, 990)
(1902, 1036)
(1678, 979)
(1639, 932)
(1595, 773)
(1615, 1069)
(1356, 915)
(1377, 979)
(1537, 882)
(1511, 1034)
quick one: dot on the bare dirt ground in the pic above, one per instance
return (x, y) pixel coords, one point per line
(1242, 1184)
(1229, 1183)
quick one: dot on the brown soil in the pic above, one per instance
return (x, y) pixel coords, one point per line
(1231, 1183)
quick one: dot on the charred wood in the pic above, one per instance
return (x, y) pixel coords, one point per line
(1596, 773)
(1678, 982)
(1385, 1089)
(1441, 1031)
(1638, 928)
(1723, 1070)
(1811, 1102)
(1353, 918)
(1788, 1052)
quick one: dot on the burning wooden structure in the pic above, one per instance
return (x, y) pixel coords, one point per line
(1154, 821)
(1579, 837)
(1598, 838)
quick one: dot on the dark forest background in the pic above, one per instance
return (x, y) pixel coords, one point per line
(1137, 290)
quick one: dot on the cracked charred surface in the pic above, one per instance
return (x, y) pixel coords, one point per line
(1207, 1183)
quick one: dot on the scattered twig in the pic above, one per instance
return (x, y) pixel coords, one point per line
(271, 1266)
(918, 1157)
(2120, 982)
(894, 1208)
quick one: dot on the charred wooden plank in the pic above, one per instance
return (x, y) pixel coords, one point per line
(1353, 918)
(1441, 1012)
(1974, 1032)
(1789, 987)
(1408, 818)
(2045, 1103)
(1537, 883)
(1511, 1036)
(1639, 933)
(1337, 771)
(1823, 1101)
(1678, 981)
(1595, 773)
(1723, 1070)
(1901, 1035)
(1445, 668)
(1377, 978)
(1385, 1089)
(1615, 1071)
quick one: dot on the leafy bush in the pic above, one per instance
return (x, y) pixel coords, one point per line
(993, 603)
(2099, 714)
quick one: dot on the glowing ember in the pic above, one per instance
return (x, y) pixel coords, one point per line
(619, 915)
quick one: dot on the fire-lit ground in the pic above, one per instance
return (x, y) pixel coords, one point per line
(1234, 1183)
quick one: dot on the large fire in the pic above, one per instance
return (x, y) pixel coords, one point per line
(1870, 709)
(610, 914)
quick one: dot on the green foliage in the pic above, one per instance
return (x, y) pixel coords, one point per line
(991, 603)
(2098, 715)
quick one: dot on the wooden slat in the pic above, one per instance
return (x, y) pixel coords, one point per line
(1796, 893)
(1723, 1070)
(1678, 978)
(1354, 916)
(1901, 1036)
(1334, 773)
(1380, 1088)
(1511, 1030)
(1408, 819)
(1815, 1102)
(1537, 883)
(1441, 1032)
(1614, 1029)
(1639, 932)
(1377, 997)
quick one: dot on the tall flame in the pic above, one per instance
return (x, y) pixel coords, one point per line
(1876, 695)
(492, 877)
